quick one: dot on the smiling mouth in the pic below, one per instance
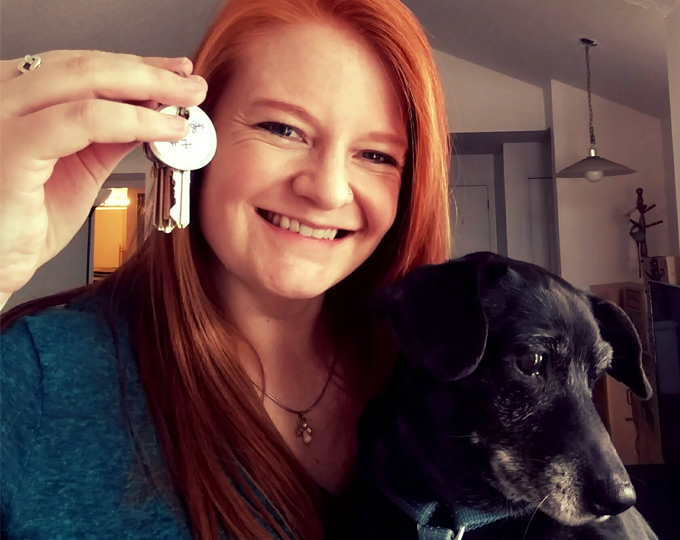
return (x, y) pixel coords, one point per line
(293, 225)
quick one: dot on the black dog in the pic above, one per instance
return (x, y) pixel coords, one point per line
(489, 412)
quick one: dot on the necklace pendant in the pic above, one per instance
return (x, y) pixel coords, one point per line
(303, 430)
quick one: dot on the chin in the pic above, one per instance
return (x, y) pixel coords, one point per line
(297, 289)
(299, 281)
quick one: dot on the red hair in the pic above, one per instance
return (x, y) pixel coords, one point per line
(421, 229)
(217, 440)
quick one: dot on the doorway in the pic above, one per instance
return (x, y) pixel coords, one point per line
(470, 220)
(116, 224)
(515, 170)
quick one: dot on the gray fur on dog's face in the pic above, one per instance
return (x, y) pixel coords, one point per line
(501, 361)
(530, 400)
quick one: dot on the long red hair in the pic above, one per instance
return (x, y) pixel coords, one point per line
(218, 443)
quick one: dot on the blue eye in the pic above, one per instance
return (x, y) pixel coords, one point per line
(277, 128)
(378, 157)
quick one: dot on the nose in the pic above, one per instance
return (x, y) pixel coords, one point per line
(325, 181)
(606, 486)
(612, 496)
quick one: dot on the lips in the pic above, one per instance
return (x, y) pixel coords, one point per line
(294, 225)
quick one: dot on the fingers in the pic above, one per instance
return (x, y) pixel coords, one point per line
(76, 76)
(9, 68)
(64, 129)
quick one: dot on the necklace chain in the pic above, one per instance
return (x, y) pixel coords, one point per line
(303, 428)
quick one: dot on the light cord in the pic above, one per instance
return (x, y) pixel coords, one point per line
(590, 105)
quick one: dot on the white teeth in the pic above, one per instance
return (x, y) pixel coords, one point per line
(294, 225)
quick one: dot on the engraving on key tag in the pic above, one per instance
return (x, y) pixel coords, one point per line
(196, 149)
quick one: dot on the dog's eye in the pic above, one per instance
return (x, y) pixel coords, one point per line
(530, 363)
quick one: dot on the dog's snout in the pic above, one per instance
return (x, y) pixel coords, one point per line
(612, 497)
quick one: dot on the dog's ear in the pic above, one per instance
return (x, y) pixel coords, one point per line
(437, 317)
(618, 330)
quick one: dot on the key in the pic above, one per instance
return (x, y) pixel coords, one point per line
(172, 163)
(161, 197)
(179, 209)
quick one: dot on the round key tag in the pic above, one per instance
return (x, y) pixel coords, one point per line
(193, 151)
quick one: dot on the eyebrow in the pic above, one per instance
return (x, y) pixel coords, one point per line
(388, 138)
(310, 118)
(288, 107)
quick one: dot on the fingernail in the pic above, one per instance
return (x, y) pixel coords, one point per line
(176, 123)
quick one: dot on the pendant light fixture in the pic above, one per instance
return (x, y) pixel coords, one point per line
(592, 168)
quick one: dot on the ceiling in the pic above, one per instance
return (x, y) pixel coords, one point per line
(531, 40)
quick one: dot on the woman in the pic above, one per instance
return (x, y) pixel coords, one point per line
(244, 346)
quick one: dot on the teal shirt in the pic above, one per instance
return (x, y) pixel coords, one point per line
(68, 468)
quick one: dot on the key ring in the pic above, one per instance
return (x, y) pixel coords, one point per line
(29, 63)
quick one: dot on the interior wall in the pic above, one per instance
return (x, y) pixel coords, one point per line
(135, 163)
(501, 214)
(131, 225)
(476, 170)
(671, 185)
(521, 161)
(673, 60)
(67, 270)
(595, 246)
(479, 99)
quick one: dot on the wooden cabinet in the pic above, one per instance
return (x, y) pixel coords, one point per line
(632, 423)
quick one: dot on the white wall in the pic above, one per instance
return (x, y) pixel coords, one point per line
(672, 190)
(595, 246)
(66, 271)
(475, 170)
(520, 162)
(134, 162)
(479, 99)
(673, 60)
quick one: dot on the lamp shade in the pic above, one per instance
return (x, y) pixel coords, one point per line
(594, 167)
(594, 163)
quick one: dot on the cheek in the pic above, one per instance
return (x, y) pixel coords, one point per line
(247, 168)
(232, 177)
(218, 180)
(219, 196)
(214, 200)
(380, 205)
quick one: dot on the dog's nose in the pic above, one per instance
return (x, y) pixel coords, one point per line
(612, 497)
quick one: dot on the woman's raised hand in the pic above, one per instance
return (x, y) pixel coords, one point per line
(64, 127)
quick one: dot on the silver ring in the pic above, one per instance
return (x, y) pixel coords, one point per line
(29, 63)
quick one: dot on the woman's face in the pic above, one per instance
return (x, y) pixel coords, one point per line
(311, 144)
